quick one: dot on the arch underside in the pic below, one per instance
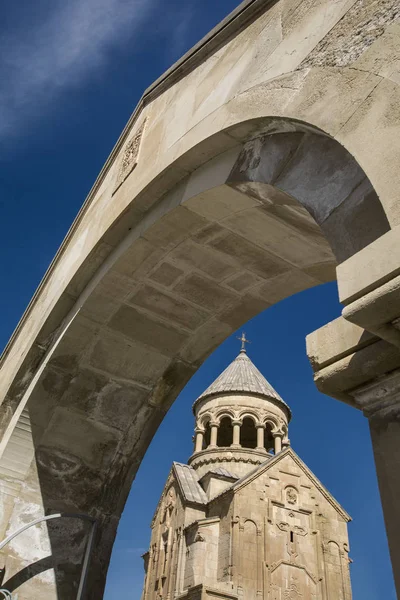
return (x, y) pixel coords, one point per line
(253, 226)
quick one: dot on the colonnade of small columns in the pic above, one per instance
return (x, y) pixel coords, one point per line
(278, 435)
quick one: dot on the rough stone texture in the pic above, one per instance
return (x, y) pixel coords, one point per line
(361, 26)
(271, 530)
(257, 172)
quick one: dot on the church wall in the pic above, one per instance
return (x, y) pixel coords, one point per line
(216, 486)
(167, 551)
(223, 507)
(285, 522)
(202, 553)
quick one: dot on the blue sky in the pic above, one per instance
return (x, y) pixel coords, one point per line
(72, 73)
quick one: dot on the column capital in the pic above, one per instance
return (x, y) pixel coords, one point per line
(278, 433)
(260, 426)
(214, 424)
(237, 422)
(380, 399)
(199, 429)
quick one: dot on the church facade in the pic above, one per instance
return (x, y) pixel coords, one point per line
(246, 518)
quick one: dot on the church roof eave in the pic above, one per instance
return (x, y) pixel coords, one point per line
(272, 461)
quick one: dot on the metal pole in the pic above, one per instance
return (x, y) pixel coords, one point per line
(86, 559)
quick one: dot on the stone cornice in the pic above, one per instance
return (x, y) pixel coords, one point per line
(379, 399)
(216, 455)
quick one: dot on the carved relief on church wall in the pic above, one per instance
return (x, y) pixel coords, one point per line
(290, 582)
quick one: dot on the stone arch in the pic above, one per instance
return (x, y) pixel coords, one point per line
(272, 422)
(204, 419)
(334, 568)
(332, 187)
(251, 414)
(224, 412)
(269, 443)
(106, 341)
(250, 558)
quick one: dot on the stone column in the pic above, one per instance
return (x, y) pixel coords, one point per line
(278, 435)
(214, 434)
(260, 436)
(236, 434)
(199, 439)
(380, 403)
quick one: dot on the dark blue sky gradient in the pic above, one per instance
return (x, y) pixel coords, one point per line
(59, 120)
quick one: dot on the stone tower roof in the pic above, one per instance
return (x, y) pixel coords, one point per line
(242, 376)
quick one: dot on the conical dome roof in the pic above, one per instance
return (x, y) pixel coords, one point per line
(242, 376)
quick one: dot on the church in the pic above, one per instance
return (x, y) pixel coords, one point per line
(246, 518)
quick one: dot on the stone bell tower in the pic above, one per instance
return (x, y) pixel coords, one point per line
(246, 518)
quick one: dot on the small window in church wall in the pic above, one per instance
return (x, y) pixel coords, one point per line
(248, 433)
(225, 433)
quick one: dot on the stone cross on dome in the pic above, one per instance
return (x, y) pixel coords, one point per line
(244, 342)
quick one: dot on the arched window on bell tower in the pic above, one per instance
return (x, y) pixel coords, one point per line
(207, 435)
(248, 433)
(268, 438)
(225, 433)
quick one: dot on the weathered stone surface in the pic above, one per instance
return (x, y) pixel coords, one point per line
(204, 292)
(166, 274)
(168, 307)
(365, 271)
(265, 100)
(141, 327)
(364, 23)
(335, 340)
(127, 359)
(249, 255)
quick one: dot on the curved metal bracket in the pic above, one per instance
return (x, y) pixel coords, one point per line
(89, 546)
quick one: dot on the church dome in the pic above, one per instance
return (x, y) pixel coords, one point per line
(242, 376)
(241, 420)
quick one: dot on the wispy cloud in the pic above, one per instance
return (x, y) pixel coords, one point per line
(72, 40)
(179, 28)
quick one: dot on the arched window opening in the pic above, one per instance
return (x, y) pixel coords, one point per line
(268, 438)
(248, 433)
(225, 433)
(207, 435)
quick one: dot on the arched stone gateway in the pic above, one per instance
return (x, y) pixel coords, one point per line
(269, 154)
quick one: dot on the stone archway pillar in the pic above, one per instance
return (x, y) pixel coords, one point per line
(236, 434)
(277, 441)
(199, 439)
(356, 359)
(214, 434)
(260, 436)
(380, 402)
